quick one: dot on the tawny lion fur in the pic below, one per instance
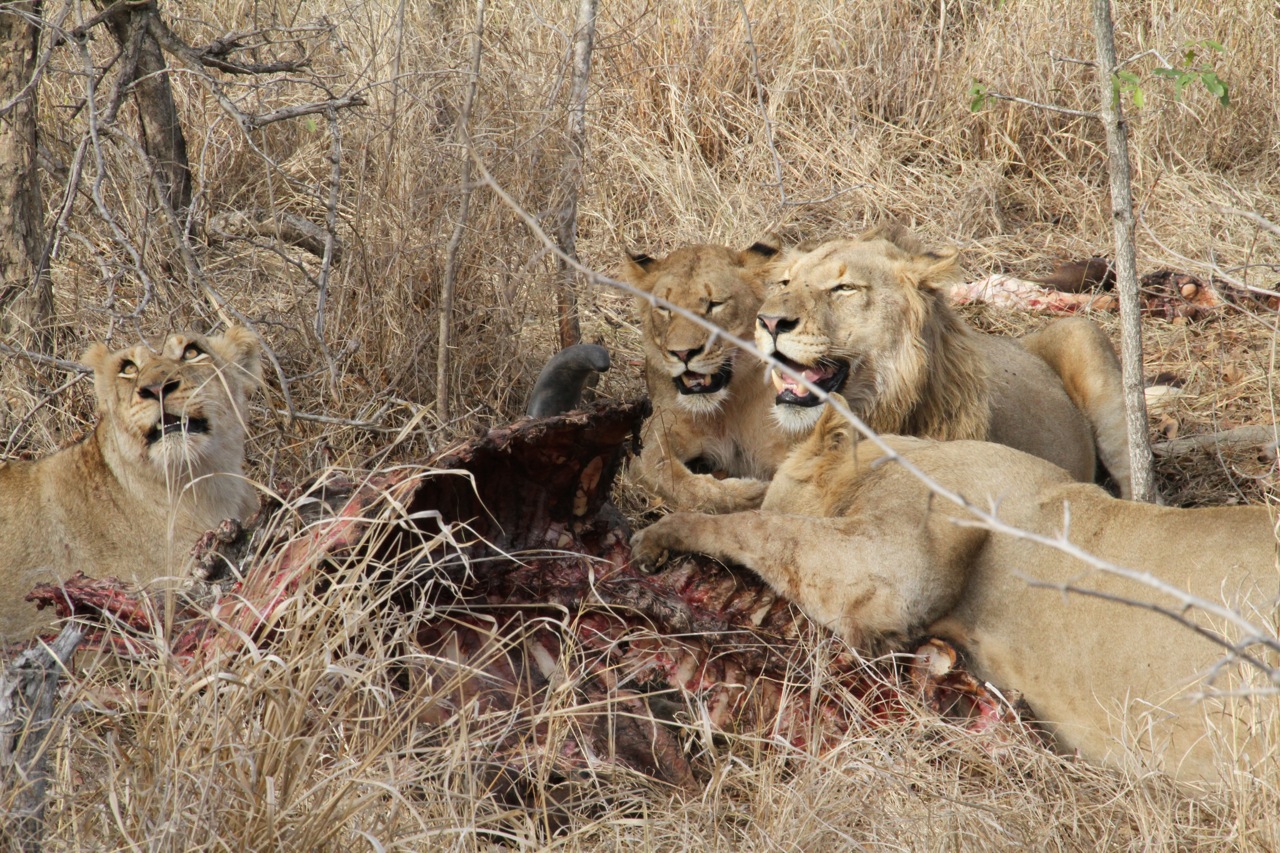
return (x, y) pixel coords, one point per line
(865, 549)
(162, 465)
(728, 431)
(878, 304)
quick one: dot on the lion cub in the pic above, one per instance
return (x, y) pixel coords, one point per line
(864, 547)
(710, 402)
(163, 464)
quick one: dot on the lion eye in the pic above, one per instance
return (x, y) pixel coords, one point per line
(847, 287)
(192, 352)
(661, 311)
(128, 369)
(713, 305)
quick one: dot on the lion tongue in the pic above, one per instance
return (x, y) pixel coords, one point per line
(695, 380)
(782, 382)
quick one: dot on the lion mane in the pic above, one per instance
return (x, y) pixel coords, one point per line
(867, 549)
(162, 465)
(710, 443)
(868, 318)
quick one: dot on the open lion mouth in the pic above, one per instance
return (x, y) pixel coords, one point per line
(827, 374)
(704, 383)
(170, 423)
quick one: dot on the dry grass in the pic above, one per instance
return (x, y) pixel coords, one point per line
(866, 116)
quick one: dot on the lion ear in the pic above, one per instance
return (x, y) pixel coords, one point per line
(897, 234)
(933, 269)
(95, 357)
(761, 250)
(635, 270)
(239, 346)
(834, 430)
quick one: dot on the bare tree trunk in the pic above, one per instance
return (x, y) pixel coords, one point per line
(571, 176)
(451, 260)
(26, 298)
(143, 67)
(1126, 266)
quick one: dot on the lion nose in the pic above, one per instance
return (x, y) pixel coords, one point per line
(775, 324)
(685, 354)
(157, 390)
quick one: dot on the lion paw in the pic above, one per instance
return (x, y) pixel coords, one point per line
(649, 547)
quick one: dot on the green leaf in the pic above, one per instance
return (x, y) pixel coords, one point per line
(1214, 45)
(1138, 98)
(1216, 87)
(977, 97)
(1167, 72)
(1128, 77)
(310, 124)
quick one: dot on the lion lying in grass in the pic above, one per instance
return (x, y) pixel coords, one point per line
(868, 318)
(864, 548)
(710, 405)
(162, 466)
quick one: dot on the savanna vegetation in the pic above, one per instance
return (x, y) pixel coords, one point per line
(705, 121)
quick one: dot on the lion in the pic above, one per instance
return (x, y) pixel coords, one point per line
(711, 404)
(868, 318)
(162, 465)
(865, 548)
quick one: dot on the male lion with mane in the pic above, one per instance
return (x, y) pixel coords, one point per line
(866, 549)
(162, 465)
(710, 402)
(868, 318)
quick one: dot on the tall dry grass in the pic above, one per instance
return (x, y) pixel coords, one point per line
(850, 113)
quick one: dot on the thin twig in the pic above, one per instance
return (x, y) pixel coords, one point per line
(1050, 107)
(459, 227)
(44, 401)
(570, 331)
(1239, 437)
(1235, 651)
(764, 112)
(41, 358)
(330, 237)
(1262, 222)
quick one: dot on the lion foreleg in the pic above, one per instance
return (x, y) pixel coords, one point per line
(866, 585)
(661, 468)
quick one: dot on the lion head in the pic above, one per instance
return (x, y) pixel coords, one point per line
(853, 317)
(175, 414)
(718, 284)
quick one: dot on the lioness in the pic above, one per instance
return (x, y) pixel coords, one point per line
(868, 318)
(862, 545)
(710, 402)
(162, 465)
